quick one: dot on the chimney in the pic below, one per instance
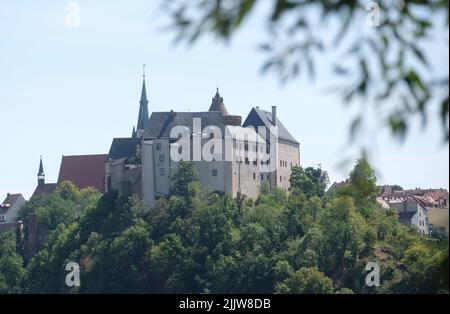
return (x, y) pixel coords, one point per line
(274, 115)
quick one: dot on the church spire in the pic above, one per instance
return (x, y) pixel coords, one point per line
(41, 175)
(143, 108)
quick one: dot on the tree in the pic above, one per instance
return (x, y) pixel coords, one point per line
(373, 60)
(310, 181)
(306, 280)
(364, 183)
(182, 177)
(11, 265)
(203, 242)
(344, 230)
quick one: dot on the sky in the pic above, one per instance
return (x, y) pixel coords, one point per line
(69, 90)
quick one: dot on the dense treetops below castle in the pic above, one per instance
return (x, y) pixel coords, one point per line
(193, 241)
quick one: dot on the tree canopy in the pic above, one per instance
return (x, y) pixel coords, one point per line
(202, 242)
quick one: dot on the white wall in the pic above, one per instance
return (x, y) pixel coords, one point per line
(11, 214)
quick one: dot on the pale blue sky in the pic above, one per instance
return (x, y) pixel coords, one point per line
(70, 90)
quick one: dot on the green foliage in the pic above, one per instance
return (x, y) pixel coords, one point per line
(364, 183)
(61, 207)
(310, 181)
(306, 280)
(11, 271)
(182, 178)
(202, 242)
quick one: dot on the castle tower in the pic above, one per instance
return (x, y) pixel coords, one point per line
(217, 104)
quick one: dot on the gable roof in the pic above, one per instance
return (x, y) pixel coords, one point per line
(161, 123)
(258, 117)
(9, 201)
(47, 188)
(123, 148)
(83, 170)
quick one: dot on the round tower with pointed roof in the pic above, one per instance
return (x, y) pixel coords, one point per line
(218, 105)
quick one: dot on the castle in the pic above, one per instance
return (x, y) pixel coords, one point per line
(229, 155)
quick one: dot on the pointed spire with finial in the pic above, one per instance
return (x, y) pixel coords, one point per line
(143, 108)
(217, 103)
(41, 175)
(41, 167)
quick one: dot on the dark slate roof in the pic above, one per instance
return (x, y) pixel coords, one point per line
(123, 148)
(406, 215)
(47, 188)
(11, 199)
(161, 123)
(9, 202)
(84, 171)
(41, 168)
(143, 109)
(258, 117)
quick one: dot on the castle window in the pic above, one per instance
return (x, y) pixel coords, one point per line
(180, 149)
(262, 177)
(162, 171)
(158, 146)
(246, 146)
(281, 179)
(214, 172)
(162, 157)
(247, 161)
(255, 162)
(211, 135)
(267, 149)
(254, 176)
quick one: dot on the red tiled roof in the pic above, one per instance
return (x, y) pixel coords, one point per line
(83, 170)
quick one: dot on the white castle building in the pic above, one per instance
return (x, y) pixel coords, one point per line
(229, 156)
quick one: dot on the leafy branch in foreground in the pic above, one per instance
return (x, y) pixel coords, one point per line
(378, 48)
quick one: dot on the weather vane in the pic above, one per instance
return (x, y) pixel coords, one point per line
(143, 69)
